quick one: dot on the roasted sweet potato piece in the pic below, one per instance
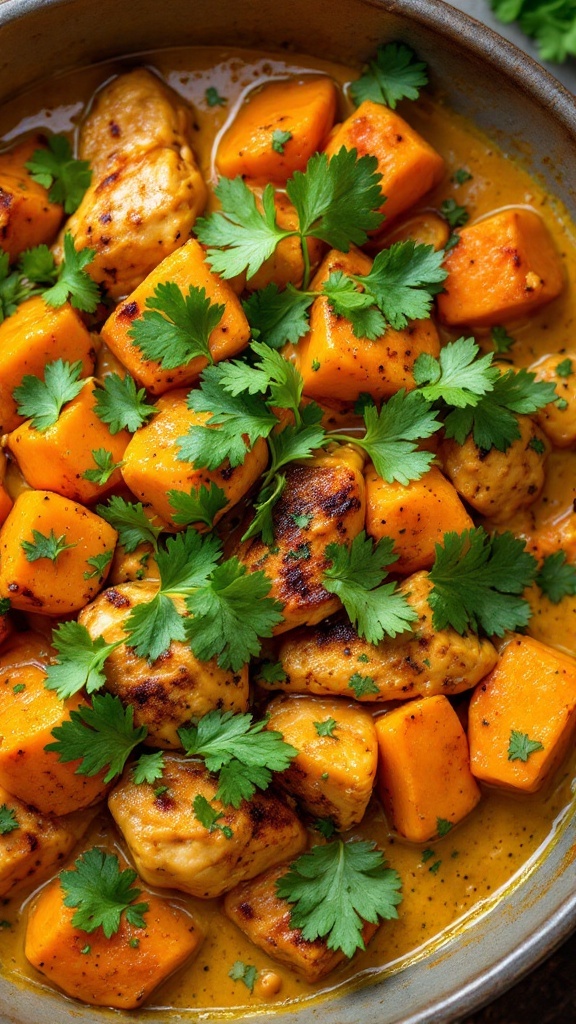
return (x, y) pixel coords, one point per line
(27, 217)
(58, 458)
(28, 713)
(409, 166)
(121, 971)
(34, 335)
(415, 516)
(424, 772)
(504, 267)
(152, 466)
(184, 267)
(335, 364)
(264, 917)
(333, 774)
(278, 128)
(558, 419)
(5, 503)
(170, 846)
(425, 228)
(63, 584)
(522, 716)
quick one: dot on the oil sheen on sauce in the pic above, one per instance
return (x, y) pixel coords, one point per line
(465, 870)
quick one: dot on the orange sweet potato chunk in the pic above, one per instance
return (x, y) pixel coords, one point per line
(62, 585)
(34, 335)
(503, 267)
(27, 718)
(416, 516)
(152, 467)
(424, 768)
(27, 217)
(184, 267)
(531, 693)
(302, 107)
(58, 458)
(5, 503)
(335, 364)
(409, 166)
(121, 971)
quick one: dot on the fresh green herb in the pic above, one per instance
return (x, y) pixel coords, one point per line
(456, 215)
(134, 943)
(271, 672)
(478, 582)
(335, 888)
(43, 400)
(427, 855)
(434, 868)
(457, 377)
(100, 735)
(86, 949)
(565, 368)
(101, 893)
(520, 746)
(277, 317)
(120, 405)
(364, 658)
(461, 176)
(80, 660)
(209, 817)
(131, 523)
(148, 768)
(302, 521)
(105, 466)
(99, 564)
(8, 820)
(443, 827)
(201, 505)
(302, 552)
(279, 140)
(561, 404)
(74, 285)
(4, 605)
(45, 547)
(501, 340)
(557, 577)
(363, 686)
(325, 826)
(394, 74)
(213, 98)
(19, 688)
(552, 23)
(537, 445)
(492, 421)
(175, 328)
(58, 170)
(327, 728)
(246, 973)
(241, 752)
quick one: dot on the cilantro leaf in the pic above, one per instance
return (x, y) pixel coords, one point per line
(392, 435)
(242, 752)
(557, 577)
(38, 265)
(478, 581)
(74, 284)
(493, 420)
(239, 237)
(356, 577)
(325, 826)
(208, 816)
(120, 405)
(403, 281)
(457, 376)
(98, 564)
(101, 735)
(461, 176)
(520, 746)
(271, 672)
(503, 341)
(43, 400)
(358, 307)
(271, 374)
(335, 888)
(278, 317)
(456, 215)
(443, 827)
(552, 23)
(394, 74)
(279, 140)
(58, 170)
(176, 328)
(326, 728)
(243, 972)
(45, 547)
(12, 289)
(130, 522)
(213, 98)
(363, 686)
(101, 892)
(201, 505)
(148, 768)
(8, 820)
(80, 661)
(105, 467)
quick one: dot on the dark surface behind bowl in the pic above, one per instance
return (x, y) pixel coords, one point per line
(531, 117)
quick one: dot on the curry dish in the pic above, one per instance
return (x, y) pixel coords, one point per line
(287, 541)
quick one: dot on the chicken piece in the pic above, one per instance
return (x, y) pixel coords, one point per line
(328, 493)
(173, 849)
(333, 659)
(167, 693)
(265, 918)
(498, 484)
(37, 844)
(334, 772)
(146, 190)
(558, 419)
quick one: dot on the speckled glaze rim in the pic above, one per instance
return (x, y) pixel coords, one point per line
(469, 966)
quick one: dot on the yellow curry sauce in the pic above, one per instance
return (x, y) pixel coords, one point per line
(448, 878)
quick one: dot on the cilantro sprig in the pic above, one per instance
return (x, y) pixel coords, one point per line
(552, 23)
(393, 75)
(175, 328)
(520, 746)
(100, 735)
(335, 888)
(80, 660)
(38, 274)
(8, 820)
(43, 400)
(493, 420)
(58, 170)
(557, 577)
(101, 893)
(120, 404)
(45, 546)
(130, 522)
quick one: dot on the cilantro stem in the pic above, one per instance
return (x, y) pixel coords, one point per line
(306, 259)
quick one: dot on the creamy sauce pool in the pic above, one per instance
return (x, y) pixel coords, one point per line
(505, 835)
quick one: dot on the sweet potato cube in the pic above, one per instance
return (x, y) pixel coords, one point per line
(277, 129)
(28, 714)
(5, 503)
(335, 364)
(334, 772)
(34, 335)
(415, 516)
(522, 716)
(121, 971)
(424, 769)
(409, 166)
(66, 583)
(152, 467)
(39, 843)
(184, 267)
(58, 458)
(503, 268)
(27, 217)
(264, 917)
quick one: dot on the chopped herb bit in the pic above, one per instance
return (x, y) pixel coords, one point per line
(4, 605)
(561, 404)
(44, 546)
(557, 577)
(302, 521)
(537, 445)
(456, 215)
(99, 564)
(327, 728)
(57, 169)
(209, 817)
(565, 368)
(279, 140)
(427, 855)
(394, 74)
(105, 467)
(443, 826)
(435, 867)
(301, 552)
(461, 176)
(520, 746)
(19, 688)
(246, 973)
(134, 943)
(86, 949)
(43, 400)
(502, 341)
(316, 365)
(363, 686)
(213, 97)
(101, 892)
(271, 672)
(325, 826)
(8, 820)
